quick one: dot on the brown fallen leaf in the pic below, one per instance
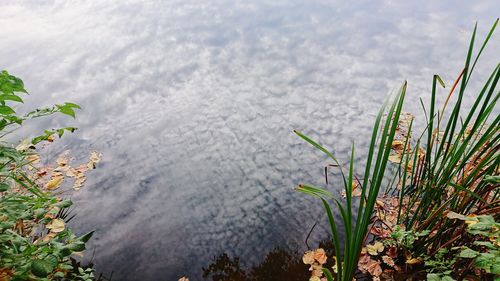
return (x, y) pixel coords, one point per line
(388, 260)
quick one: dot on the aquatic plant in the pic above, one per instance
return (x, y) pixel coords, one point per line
(35, 242)
(442, 171)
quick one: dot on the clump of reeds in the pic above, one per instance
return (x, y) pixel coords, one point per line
(451, 167)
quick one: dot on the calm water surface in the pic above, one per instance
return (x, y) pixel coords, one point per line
(192, 104)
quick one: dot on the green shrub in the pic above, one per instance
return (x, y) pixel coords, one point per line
(35, 243)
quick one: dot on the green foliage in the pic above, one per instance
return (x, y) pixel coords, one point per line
(485, 250)
(458, 169)
(35, 244)
(405, 238)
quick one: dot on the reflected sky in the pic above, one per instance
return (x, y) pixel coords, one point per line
(193, 104)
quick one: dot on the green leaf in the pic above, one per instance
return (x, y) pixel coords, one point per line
(86, 237)
(41, 268)
(67, 111)
(52, 259)
(6, 110)
(468, 253)
(486, 244)
(11, 98)
(77, 246)
(440, 81)
(4, 187)
(72, 105)
(433, 277)
(485, 261)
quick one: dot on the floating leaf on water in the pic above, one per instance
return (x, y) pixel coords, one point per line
(395, 158)
(54, 183)
(24, 145)
(95, 158)
(33, 158)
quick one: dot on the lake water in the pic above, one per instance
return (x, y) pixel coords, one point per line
(193, 103)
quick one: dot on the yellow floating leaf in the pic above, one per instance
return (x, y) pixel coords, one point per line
(71, 172)
(56, 225)
(78, 183)
(95, 158)
(33, 158)
(54, 183)
(374, 249)
(395, 158)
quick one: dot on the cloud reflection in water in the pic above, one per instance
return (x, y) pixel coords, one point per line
(192, 104)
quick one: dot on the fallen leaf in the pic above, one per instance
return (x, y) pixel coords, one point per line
(49, 236)
(395, 158)
(24, 145)
(54, 183)
(374, 249)
(388, 260)
(63, 160)
(308, 257)
(373, 267)
(397, 145)
(56, 225)
(413, 261)
(392, 252)
(320, 256)
(33, 158)
(317, 270)
(95, 158)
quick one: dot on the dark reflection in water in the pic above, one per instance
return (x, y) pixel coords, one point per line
(278, 265)
(193, 103)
